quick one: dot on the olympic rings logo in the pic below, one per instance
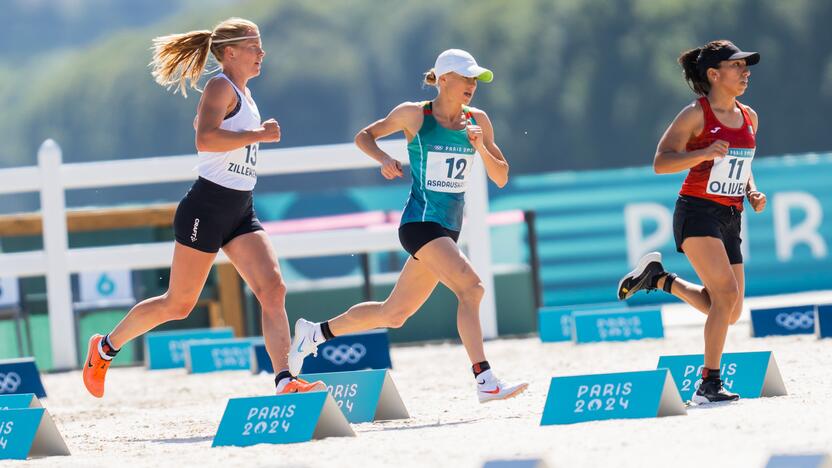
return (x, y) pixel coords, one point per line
(795, 320)
(344, 354)
(9, 383)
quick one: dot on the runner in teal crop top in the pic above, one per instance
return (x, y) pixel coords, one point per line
(445, 137)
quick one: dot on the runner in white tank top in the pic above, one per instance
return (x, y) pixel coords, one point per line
(218, 211)
(234, 169)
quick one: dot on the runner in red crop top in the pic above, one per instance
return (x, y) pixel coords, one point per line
(713, 138)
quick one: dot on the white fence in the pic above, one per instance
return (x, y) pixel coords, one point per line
(56, 261)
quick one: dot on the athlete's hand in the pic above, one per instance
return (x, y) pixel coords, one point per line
(717, 149)
(391, 168)
(757, 200)
(270, 131)
(474, 136)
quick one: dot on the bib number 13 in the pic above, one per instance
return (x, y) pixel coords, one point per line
(251, 154)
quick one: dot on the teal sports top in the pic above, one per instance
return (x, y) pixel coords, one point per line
(440, 164)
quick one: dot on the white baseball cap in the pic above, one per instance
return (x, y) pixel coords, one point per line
(463, 63)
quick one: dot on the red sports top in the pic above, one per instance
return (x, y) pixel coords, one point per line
(722, 180)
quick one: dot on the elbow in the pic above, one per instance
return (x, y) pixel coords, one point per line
(201, 143)
(658, 168)
(360, 137)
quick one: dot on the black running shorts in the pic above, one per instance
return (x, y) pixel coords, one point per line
(211, 215)
(414, 236)
(697, 217)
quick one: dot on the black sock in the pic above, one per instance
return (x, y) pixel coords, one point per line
(108, 347)
(280, 376)
(668, 282)
(710, 374)
(326, 331)
(480, 367)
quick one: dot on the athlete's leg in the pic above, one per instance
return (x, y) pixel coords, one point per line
(694, 294)
(188, 272)
(447, 262)
(739, 274)
(254, 258)
(414, 286)
(710, 261)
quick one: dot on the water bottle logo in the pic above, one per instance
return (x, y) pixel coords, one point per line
(105, 286)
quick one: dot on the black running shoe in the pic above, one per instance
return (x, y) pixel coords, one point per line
(648, 270)
(712, 391)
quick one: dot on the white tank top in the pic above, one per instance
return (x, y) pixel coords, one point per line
(234, 169)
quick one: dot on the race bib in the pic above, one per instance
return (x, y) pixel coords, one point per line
(448, 172)
(729, 174)
(242, 160)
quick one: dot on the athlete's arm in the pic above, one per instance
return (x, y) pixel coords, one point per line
(404, 118)
(482, 138)
(756, 198)
(216, 100)
(671, 155)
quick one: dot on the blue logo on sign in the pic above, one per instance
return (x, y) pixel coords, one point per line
(279, 419)
(219, 355)
(750, 375)
(351, 352)
(20, 376)
(795, 320)
(555, 323)
(17, 432)
(580, 398)
(165, 350)
(357, 393)
(617, 325)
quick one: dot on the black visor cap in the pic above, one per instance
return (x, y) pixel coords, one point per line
(712, 58)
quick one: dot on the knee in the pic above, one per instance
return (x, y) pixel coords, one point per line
(270, 291)
(178, 307)
(737, 312)
(396, 317)
(472, 293)
(726, 297)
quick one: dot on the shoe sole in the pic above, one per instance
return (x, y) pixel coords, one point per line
(702, 401)
(522, 388)
(638, 270)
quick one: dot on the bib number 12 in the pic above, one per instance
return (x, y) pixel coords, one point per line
(460, 167)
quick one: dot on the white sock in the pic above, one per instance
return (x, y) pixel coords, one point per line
(318, 335)
(283, 382)
(101, 352)
(485, 376)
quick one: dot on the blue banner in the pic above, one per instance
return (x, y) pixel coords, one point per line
(593, 397)
(165, 350)
(593, 226)
(793, 320)
(17, 432)
(357, 393)
(20, 376)
(823, 320)
(620, 324)
(555, 323)
(219, 355)
(746, 374)
(351, 352)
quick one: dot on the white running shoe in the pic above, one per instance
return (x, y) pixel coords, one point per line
(306, 341)
(490, 388)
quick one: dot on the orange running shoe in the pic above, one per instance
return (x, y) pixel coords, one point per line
(95, 368)
(301, 386)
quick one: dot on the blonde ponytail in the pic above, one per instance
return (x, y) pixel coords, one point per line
(179, 59)
(430, 78)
